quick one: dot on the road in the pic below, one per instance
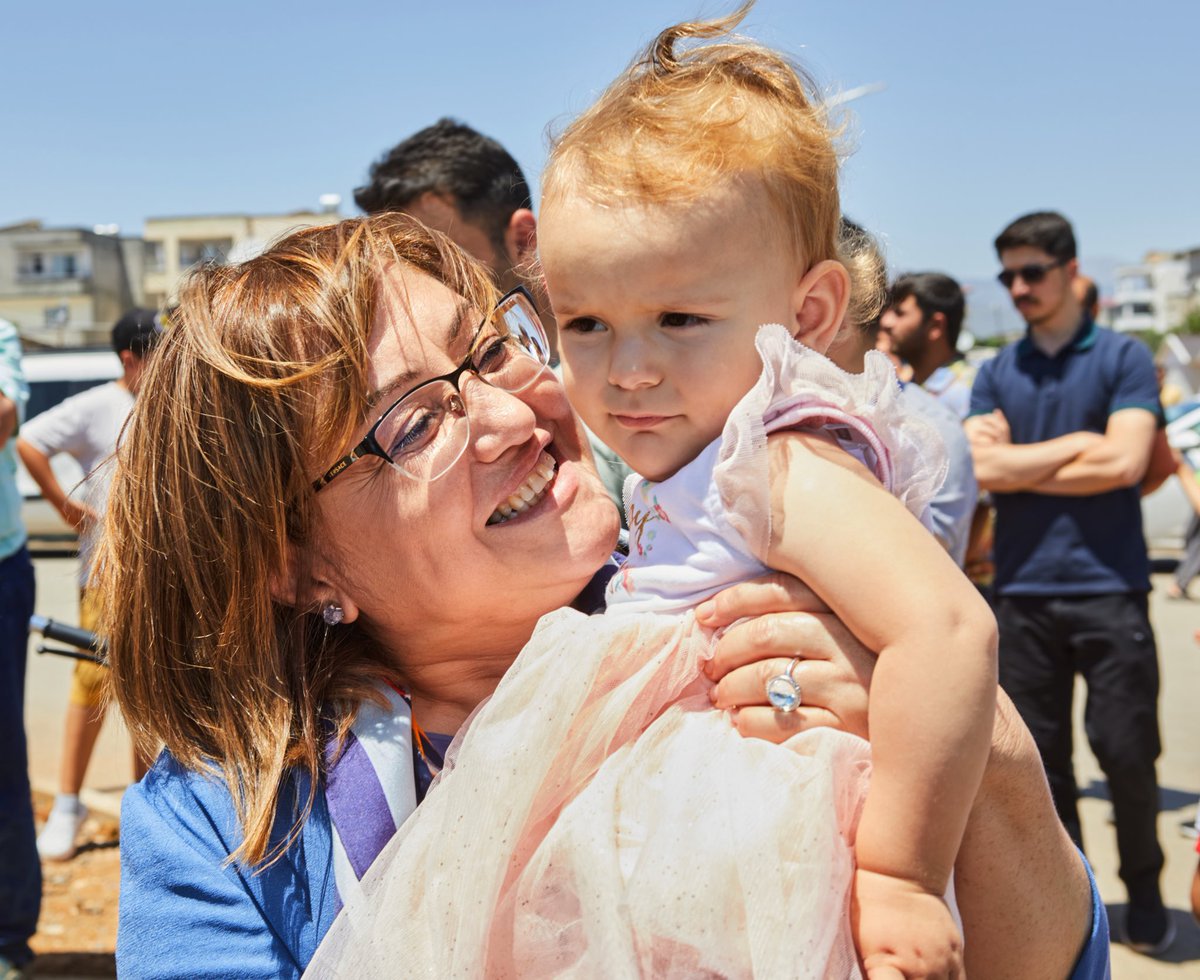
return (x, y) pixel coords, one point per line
(1179, 768)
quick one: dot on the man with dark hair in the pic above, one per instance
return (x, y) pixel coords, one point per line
(460, 182)
(921, 325)
(1061, 428)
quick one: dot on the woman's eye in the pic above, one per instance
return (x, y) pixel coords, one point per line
(413, 431)
(584, 324)
(681, 320)
(491, 355)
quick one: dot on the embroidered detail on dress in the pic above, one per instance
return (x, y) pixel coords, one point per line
(641, 517)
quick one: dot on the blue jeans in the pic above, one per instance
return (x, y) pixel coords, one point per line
(20, 872)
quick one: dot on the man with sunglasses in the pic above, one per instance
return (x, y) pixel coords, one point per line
(1061, 426)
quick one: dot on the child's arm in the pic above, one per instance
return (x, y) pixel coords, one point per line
(933, 694)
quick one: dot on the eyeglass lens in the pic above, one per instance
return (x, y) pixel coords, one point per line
(426, 432)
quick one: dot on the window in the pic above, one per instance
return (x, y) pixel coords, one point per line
(156, 259)
(56, 316)
(48, 265)
(212, 250)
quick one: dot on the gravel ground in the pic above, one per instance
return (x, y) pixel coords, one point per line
(77, 931)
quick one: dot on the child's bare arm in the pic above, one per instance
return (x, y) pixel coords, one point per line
(933, 693)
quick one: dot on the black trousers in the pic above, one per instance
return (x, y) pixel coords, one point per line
(1044, 643)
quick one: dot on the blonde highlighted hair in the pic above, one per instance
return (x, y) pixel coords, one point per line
(686, 117)
(260, 382)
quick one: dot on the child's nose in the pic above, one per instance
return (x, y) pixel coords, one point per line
(633, 364)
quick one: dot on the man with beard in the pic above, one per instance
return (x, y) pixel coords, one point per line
(920, 326)
(1061, 428)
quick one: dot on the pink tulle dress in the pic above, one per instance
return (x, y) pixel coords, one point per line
(597, 817)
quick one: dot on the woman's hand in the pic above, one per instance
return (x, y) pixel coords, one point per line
(784, 619)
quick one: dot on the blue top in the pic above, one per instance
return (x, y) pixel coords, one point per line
(14, 388)
(1060, 545)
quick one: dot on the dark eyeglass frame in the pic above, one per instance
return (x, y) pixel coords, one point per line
(1030, 274)
(370, 446)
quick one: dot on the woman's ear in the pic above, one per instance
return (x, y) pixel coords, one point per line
(303, 588)
(820, 301)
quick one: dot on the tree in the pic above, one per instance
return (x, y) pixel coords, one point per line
(1191, 322)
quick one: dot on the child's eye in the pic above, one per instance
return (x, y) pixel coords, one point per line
(583, 324)
(681, 320)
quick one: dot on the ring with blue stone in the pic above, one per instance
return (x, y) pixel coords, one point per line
(783, 691)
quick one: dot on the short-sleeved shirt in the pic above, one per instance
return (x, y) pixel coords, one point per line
(14, 388)
(1068, 545)
(85, 426)
(951, 385)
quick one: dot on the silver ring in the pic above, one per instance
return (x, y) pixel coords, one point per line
(783, 691)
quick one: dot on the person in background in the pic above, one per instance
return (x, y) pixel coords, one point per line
(921, 325)
(1062, 423)
(20, 873)
(953, 507)
(455, 180)
(85, 426)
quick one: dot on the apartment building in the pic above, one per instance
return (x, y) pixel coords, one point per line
(174, 244)
(65, 287)
(1158, 293)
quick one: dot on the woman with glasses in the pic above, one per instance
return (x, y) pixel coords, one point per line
(343, 502)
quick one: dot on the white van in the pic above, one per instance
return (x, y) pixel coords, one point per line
(53, 376)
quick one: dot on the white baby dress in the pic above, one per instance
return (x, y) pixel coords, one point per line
(596, 816)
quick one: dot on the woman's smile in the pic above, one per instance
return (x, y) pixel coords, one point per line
(531, 491)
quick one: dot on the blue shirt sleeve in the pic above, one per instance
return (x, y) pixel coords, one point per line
(983, 392)
(1135, 385)
(186, 912)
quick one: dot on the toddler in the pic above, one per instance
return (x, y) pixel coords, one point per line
(601, 818)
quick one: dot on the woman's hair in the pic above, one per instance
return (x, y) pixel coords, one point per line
(685, 118)
(261, 381)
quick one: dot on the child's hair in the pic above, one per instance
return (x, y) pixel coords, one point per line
(679, 122)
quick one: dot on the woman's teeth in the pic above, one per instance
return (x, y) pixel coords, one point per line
(528, 493)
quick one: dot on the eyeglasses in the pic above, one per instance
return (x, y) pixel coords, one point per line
(425, 431)
(1032, 274)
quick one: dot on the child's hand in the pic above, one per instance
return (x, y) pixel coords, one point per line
(903, 931)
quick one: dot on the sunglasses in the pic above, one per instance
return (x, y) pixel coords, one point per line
(1031, 274)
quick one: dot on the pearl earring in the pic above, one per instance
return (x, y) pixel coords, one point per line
(332, 614)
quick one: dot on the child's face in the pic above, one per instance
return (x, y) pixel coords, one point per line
(657, 308)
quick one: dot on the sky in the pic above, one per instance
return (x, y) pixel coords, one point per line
(120, 111)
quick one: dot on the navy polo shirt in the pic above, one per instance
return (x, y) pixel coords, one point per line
(1055, 545)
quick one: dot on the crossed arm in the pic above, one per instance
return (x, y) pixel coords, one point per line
(1073, 465)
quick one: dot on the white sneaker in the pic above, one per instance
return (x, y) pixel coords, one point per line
(56, 842)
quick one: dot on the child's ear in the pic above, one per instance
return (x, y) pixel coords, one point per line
(819, 304)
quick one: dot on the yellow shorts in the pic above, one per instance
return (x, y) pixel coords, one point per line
(89, 683)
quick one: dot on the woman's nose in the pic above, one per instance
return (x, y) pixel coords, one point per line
(499, 419)
(633, 364)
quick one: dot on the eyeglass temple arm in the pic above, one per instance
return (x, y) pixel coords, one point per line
(364, 448)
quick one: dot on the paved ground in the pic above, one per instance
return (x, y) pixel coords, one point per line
(73, 912)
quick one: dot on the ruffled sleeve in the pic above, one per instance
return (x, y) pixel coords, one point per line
(799, 388)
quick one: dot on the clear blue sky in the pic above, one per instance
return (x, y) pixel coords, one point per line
(118, 111)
